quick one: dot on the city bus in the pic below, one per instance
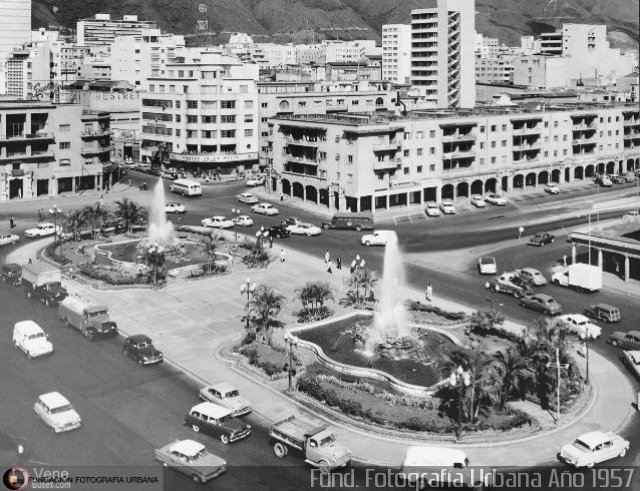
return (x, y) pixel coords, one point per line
(185, 187)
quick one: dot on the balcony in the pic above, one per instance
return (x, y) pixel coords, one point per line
(526, 159)
(43, 156)
(456, 137)
(302, 160)
(301, 142)
(386, 147)
(458, 155)
(88, 151)
(527, 130)
(585, 126)
(585, 141)
(40, 136)
(386, 164)
(526, 146)
(632, 135)
(89, 135)
(212, 158)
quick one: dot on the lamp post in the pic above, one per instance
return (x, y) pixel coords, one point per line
(247, 288)
(55, 211)
(585, 338)
(460, 378)
(236, 213)
(292, 342)
(357, 264)
(261, 235)
(558, 366)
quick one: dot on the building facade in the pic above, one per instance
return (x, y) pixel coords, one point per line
(15, 31)
(396, 53)
(102, 29)
(378, 162)
(442, 52)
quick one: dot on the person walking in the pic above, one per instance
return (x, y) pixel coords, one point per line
(270, 241)
(129, 182)
(327, 257)
(429, 293)
(12, 223)
(564, 260)
(281, 255)
(338, 262)
(329, 267)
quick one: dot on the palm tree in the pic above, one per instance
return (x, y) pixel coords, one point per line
(514, 371)
(129, 212)
(73, 221)
(94, 215)
(264, 307)
(314, 295)
(209, 247)
(361, 282)
(155, 258)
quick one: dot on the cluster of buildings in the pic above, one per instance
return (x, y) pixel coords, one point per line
(436, 111)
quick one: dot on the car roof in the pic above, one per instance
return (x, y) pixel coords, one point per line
(578, 317)
(447, 201)
(223, 387)
(45, 223)
(54, 399)
(432, 203)
(246, 194)
(212, 410)
(635, 333)
(595, 438)
(189, 448)
(488, 258)
(531, 270)
(605, 306)
(28, 326)
(543, 296)
(136, 338)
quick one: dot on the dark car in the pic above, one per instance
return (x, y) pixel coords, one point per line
(541, 303)
(617, 179)
(12, 274)
(279, 231)
(141, 349)
(116, 226)
(603, 312)
(350, 221)
(216, 421)
(625, 340)
(542, 239)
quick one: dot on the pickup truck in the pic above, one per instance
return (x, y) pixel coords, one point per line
(317, 445)
(511, 284)
(42, 280)
(91, 320)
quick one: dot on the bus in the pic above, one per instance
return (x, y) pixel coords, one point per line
(185, 187)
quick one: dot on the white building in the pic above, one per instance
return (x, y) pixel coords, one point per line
(15, 30)
(338, 51)
(28, 73)
(529, 45)
(442, 52)
(396, 53)
(102, 29)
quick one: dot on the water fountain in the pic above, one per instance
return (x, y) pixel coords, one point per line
(160, 229)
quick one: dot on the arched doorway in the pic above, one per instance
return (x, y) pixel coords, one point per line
(611, 168)
(286, 187)
(530, 179)
(518, 181)
(555, 175)
(589, 171)
(490, 185)
(600, 168)
(324, 197)
(476, 187)
(462, 190)
(311, 194)
(578, 173)
(543, 177)
(297, 190)
(447, 191)
(505, 184)
(567, 174)
(630, 165)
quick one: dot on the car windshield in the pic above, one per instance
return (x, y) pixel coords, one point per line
(580, 445)
(327, 441)
(143, 344)
(225, 419)
(98, 313)
(231, 393)
(487, 260)
(40, 335)
(61, 409)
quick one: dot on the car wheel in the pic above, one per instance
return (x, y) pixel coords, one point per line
(623, 452)
(367, 243)
(164, 464)
(324, 467)
(195, 428)
(280, 450)
(326, 226)
(358, 228)
(90, 334)
(517, 295)
(614, 343)
(496, 288)
(196, 478)
(224, 439)
(140, 361)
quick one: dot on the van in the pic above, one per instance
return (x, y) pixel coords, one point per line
(350, 221)
(30, 338)
(185, 187)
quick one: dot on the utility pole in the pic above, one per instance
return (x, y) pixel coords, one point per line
(558, 366)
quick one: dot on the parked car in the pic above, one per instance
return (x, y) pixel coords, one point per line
(532, 275)
(173, 207)
(541, 239)
(226, 395)
(191, 458)
(279, 231)
(604, 181)
(495, 199)
(255, 181)
(432, 209)
(305, 229)
(217, 222)
(511, 284)
(581, 326)
(632, 360)
(291, 221)
(617, 179)
(265, 209)
(603, 312)
(216, 421)
(446, 206)
(42, 230)
(487, 265)
(243, 221)
(9, 239)
(478, 201)
(625, 340)
(541, 303)
(378, 238)
(593, 448)
(247, 198)
(552, 189)
(56, 412)
(11, 273)
(140, 349)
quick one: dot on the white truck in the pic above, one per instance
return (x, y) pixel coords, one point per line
(92, 320)
(582, 277)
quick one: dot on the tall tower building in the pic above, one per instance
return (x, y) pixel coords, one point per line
(15, 30)
(442, 52)
(396, 53)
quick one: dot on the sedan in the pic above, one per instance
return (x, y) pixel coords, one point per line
(304, 229)
(56, 412)
(42, 230)
(279, 231)
(496, 199)
(625, 340)
(581, 326)
(432, 209)
(487, 265)
(265, 209)
(632, 360)
(541, 303)
(140, 349)
(593, 448)
(247, 198)
(378, 238)
(478, 201)
(174, 208)
(541, 239)
(446, 205)
(551, 189)
(8, 239)
(255, 181)
(191, 458)
(532, 275)
(243, 221)
(217, 222)
(225, 395)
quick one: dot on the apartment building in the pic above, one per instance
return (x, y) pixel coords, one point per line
(396, 53)
(48, 149)
(203, 111)
(337, 51)
(102, 29)
(442, 52)
(15, 31)
(381, 161)
(494, 61)
(24, 67)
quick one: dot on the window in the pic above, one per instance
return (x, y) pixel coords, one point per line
(555, 124)
(481, 145)
(406, 170)
(432, 134)
(481, 129)
(209, 119)
(432, 167)
(406, 153)
(244, 89)
(504, 127)
(493, 160)
(493, 128)
(420, 136)
(432, 151)
(264, 104)
(355, 102)
(481, 161)
(419, 152)
(64, 127)
(192, 119)
(504, 143)
(228, 118)
(228, 133)
(65, 145)
(248, 132)
(232, 104)
(248, 118)
(177, 104)
(419, 169)
(493, 144)
(407, 135)
(192, 104)
(65, 162)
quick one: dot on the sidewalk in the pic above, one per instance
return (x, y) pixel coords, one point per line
(191, 320)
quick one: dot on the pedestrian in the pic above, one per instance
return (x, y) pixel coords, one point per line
(429, 293)
(20, 449)
(281, 196)
(129, 182)
(564, 260)
(30, 261)
(327, 257)
(12, 223)
(270, 241)
(19, 193)
(329, 266)
(180, 219)
(281, 255)
(338, 262)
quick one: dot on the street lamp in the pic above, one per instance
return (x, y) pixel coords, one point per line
(261, 235)
(586, 336)
(460, 378)
(559, 366)
(236, 212)
(55, 211)
(248, 288)
(357, 264)
(292, 342)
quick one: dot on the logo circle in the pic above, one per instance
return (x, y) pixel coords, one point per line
(16, 478)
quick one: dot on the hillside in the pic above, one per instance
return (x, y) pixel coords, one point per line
(283, 19)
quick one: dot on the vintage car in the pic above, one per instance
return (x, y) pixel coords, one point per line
(541, 303)
(42, 230)
(8, 239)
(541, 239)
(625, 340)
(447, 207)
(226, 395)
(191, 458)
(173, 207)
(593, 448)
(487, 265)
(247, 198)
(532, 275)
(140, 349)
(511, 284)
(278, 231)
(632, 360)
(265, 209)
(217, 222)
(478, 201)
(304, 229)
(603, 312)
(495, 199)
(216, 421)
(56, 412)
(432, 209)
(581, 326)
(243, 221)
(378, 238)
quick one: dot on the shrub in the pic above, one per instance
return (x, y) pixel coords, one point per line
(54, 254)
(112, 275)
(257, 258)
(432, 309)
(305, 315)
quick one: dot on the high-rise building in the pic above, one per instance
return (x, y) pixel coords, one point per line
(28, 72)
(102, 29)
(396, 53)
(15, 30)
(442, 52)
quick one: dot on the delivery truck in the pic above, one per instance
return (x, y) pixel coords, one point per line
(582, 277)
(43, 281)
(92, 320)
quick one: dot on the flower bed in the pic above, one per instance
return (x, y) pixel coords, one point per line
(274, 363)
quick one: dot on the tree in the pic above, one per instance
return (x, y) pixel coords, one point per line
(263, 309)
(155, 258)
(314, 295)
(362, 281)
(515, 373)
(94, 215)
(209, 246)
(484, 322)
(129, 212)
(73, 221)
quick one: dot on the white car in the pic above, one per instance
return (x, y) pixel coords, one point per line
(446, 205)
(378, 238)
(247, 198)
(432, 209)
(217, 222)
(581, 326)
(42, 230)
(255, 181)
(532, 276)
(632, 360)
(304, 229)
(593, 448)
(56, 412)
(551, 189)
(265, 209)
(8, 239)
(487, 265)
(226, 395)
(478, 201)
(496, 199)
(174, 208)
(243, 221)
